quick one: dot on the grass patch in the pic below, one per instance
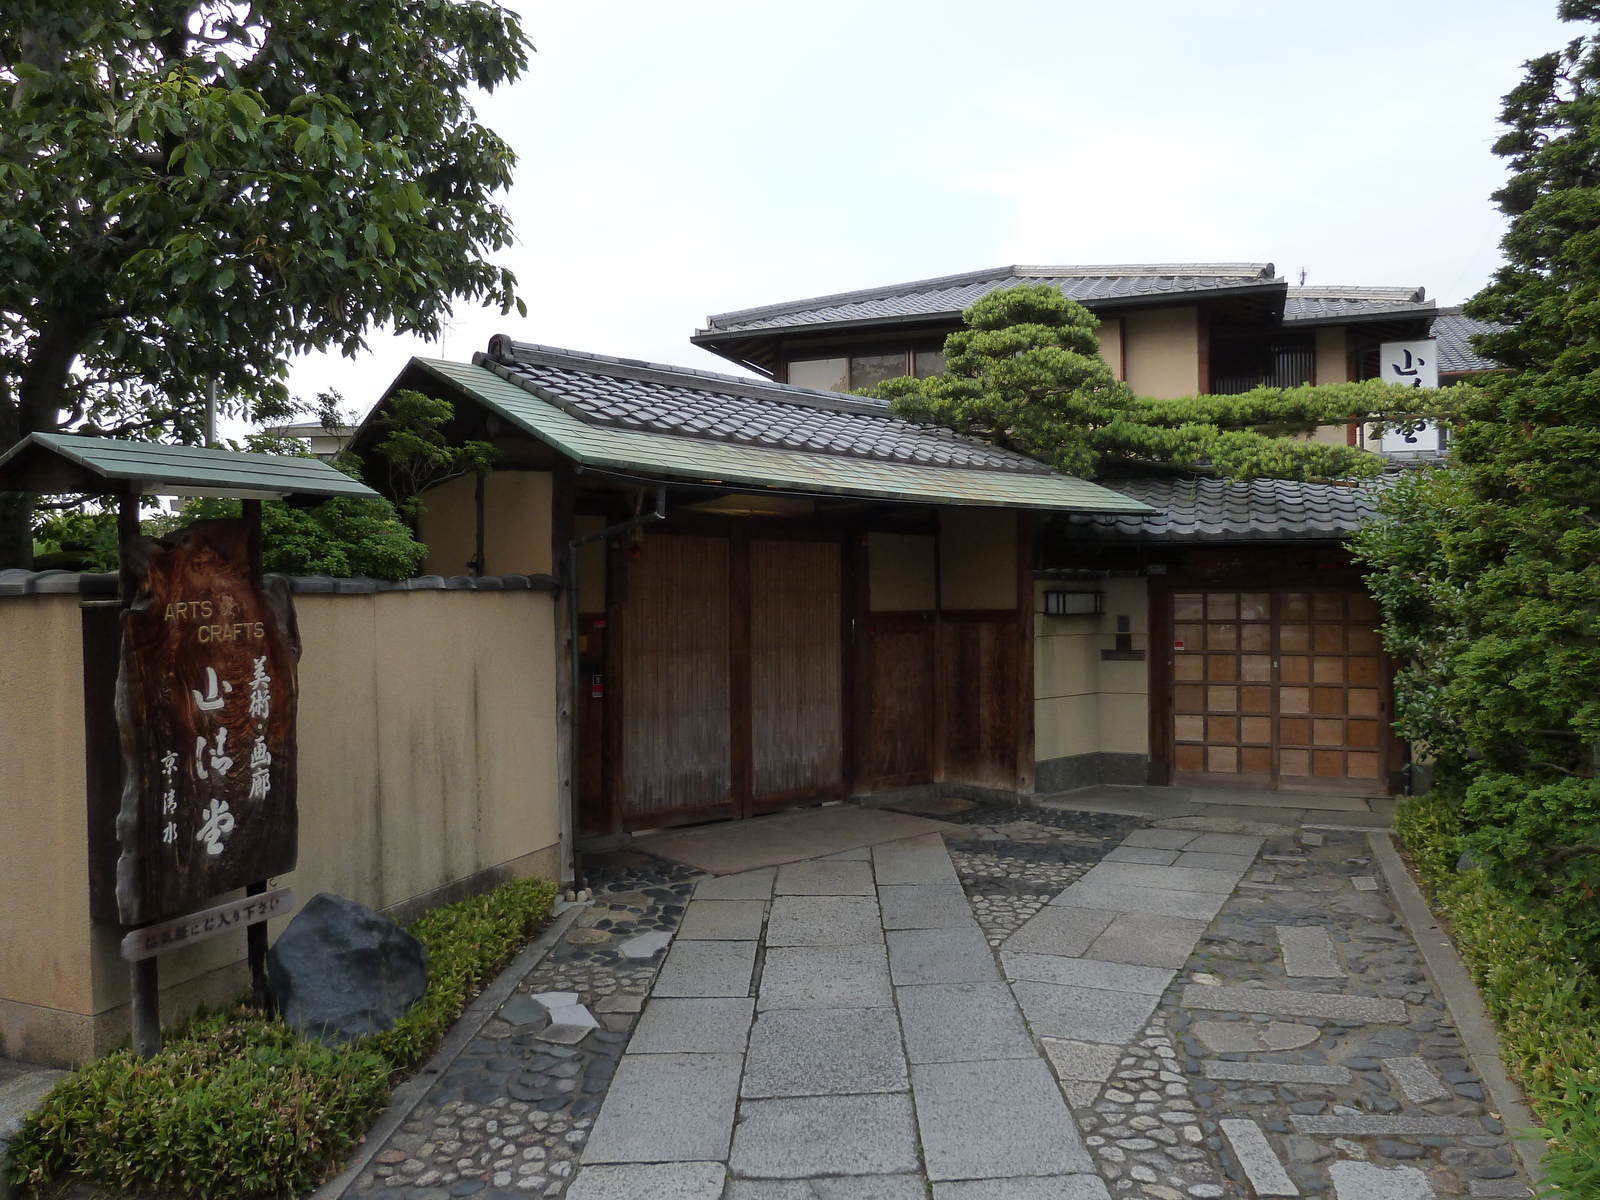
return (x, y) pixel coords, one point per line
(238, 1107)
(1544, 996)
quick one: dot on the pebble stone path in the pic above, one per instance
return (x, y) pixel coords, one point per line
(1042, 1005)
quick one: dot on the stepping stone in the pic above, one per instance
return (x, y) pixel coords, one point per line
(1387, 1126)
(646, 945)
(620, 1002)
(1308, 838)
(1274, 1072)
(1244, 1037)
(1294, 1004)
(1161, 839)
(660, 1181)
(1416, 1079)
(1364, 883)
(1497, 1187)
(1259, 1160)
(1308, 952)
(553, 1000)
(1363, 1181)
(523, 1009)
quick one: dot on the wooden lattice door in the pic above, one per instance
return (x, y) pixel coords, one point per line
(1283, 689)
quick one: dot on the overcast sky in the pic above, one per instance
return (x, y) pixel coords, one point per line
(683, 159)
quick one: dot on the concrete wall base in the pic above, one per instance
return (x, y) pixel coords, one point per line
(1089, 770)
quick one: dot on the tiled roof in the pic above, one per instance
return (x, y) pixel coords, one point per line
(1354, 303)
(674, 424)
(651, 398)
(950, 294)
(1455, 351)
(1220, 510)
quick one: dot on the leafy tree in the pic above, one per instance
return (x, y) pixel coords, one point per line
(1489, 569)
(1027, 373)
(417, 451)
(193, 192)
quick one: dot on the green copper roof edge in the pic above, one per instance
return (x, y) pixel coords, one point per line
(823, 474)
(271, 472)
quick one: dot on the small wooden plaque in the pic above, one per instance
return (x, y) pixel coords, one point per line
(207, 923)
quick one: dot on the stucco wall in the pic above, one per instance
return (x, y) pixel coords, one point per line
(1161, 349)
(977, 558)
(427, 770)
(1083, 704)
(1110, 335)
(1332, 356)
(44, 899)
(516, 524)
(901, 572)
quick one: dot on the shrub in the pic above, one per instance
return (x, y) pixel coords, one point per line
(237, 1106)
(1545, 1000)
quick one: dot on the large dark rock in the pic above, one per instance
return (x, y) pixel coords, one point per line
(341, 971)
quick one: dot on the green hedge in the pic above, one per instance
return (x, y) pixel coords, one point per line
(1544, 997)
(237, 1107)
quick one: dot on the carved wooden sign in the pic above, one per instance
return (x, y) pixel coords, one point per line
(206, 699)
(207, 923)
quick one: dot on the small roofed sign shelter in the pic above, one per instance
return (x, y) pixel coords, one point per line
(206, 684)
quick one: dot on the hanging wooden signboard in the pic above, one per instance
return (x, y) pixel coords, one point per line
(206, 700)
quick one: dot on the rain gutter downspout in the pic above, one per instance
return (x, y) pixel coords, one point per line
(639, 522)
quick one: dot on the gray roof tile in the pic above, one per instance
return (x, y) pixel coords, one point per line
(951, 293)
(1220, 510)
(1455, 351)
(1354, 303)
(627, 394)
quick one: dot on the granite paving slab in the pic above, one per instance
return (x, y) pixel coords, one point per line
(1248, 845)
(858, 1187)
(1142, 854)
(699, 1025)
(1083, 1014)
(914, 860)
(746, 885)
(707, 969)
(958, 955)
(994, 1120)
(1146, 940)
(823, 1052)
(1128, 898)
(924, 906)
(1367, 1181)
(1089, 1062)
(1308, 952)
(667, 1108)
(1261, 1072)
(1161, 839)
(806, 1136)
(1086, 972)
(722, 920)
(962, 1022)
(1172, 879)
(1201, 860)
(824, 921)
(1416, 1079)
(1260, 1162)
(652, 1181)
(1386, 1126)
(850, 878)
(1062, 930)
(825, 977)
(1054, 1187)
(731, 847)
(1294, 1004)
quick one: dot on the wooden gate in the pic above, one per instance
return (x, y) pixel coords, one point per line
(1281, 689)
(731, 682)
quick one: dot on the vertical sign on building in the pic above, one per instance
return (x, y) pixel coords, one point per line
(1411, 364)
(206, 709)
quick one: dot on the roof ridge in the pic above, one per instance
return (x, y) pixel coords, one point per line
(1358, 292)
(1014, 271)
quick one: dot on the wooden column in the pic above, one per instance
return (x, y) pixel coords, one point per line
(740, 717)
(612, 778)
(564, 566)
(1025, 653)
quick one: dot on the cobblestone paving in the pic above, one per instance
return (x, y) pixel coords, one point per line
(512, 1114)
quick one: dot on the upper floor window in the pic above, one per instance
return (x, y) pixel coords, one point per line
(847, 374)
(1279, 363)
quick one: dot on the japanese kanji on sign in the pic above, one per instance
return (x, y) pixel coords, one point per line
(206, 709)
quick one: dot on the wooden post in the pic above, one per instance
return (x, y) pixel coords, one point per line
(564, 566)
(1025, 652)
(144, 976)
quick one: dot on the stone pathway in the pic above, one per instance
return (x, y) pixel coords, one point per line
(1039, 1005)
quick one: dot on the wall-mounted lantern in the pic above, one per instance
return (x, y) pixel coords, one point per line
(1074, 604)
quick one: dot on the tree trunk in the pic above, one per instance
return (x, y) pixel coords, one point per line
(37, 409)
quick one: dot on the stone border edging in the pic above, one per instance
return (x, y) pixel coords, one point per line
(1478, 1034)
(409, 1094)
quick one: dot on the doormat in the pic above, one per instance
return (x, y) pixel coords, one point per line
(734, 846)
